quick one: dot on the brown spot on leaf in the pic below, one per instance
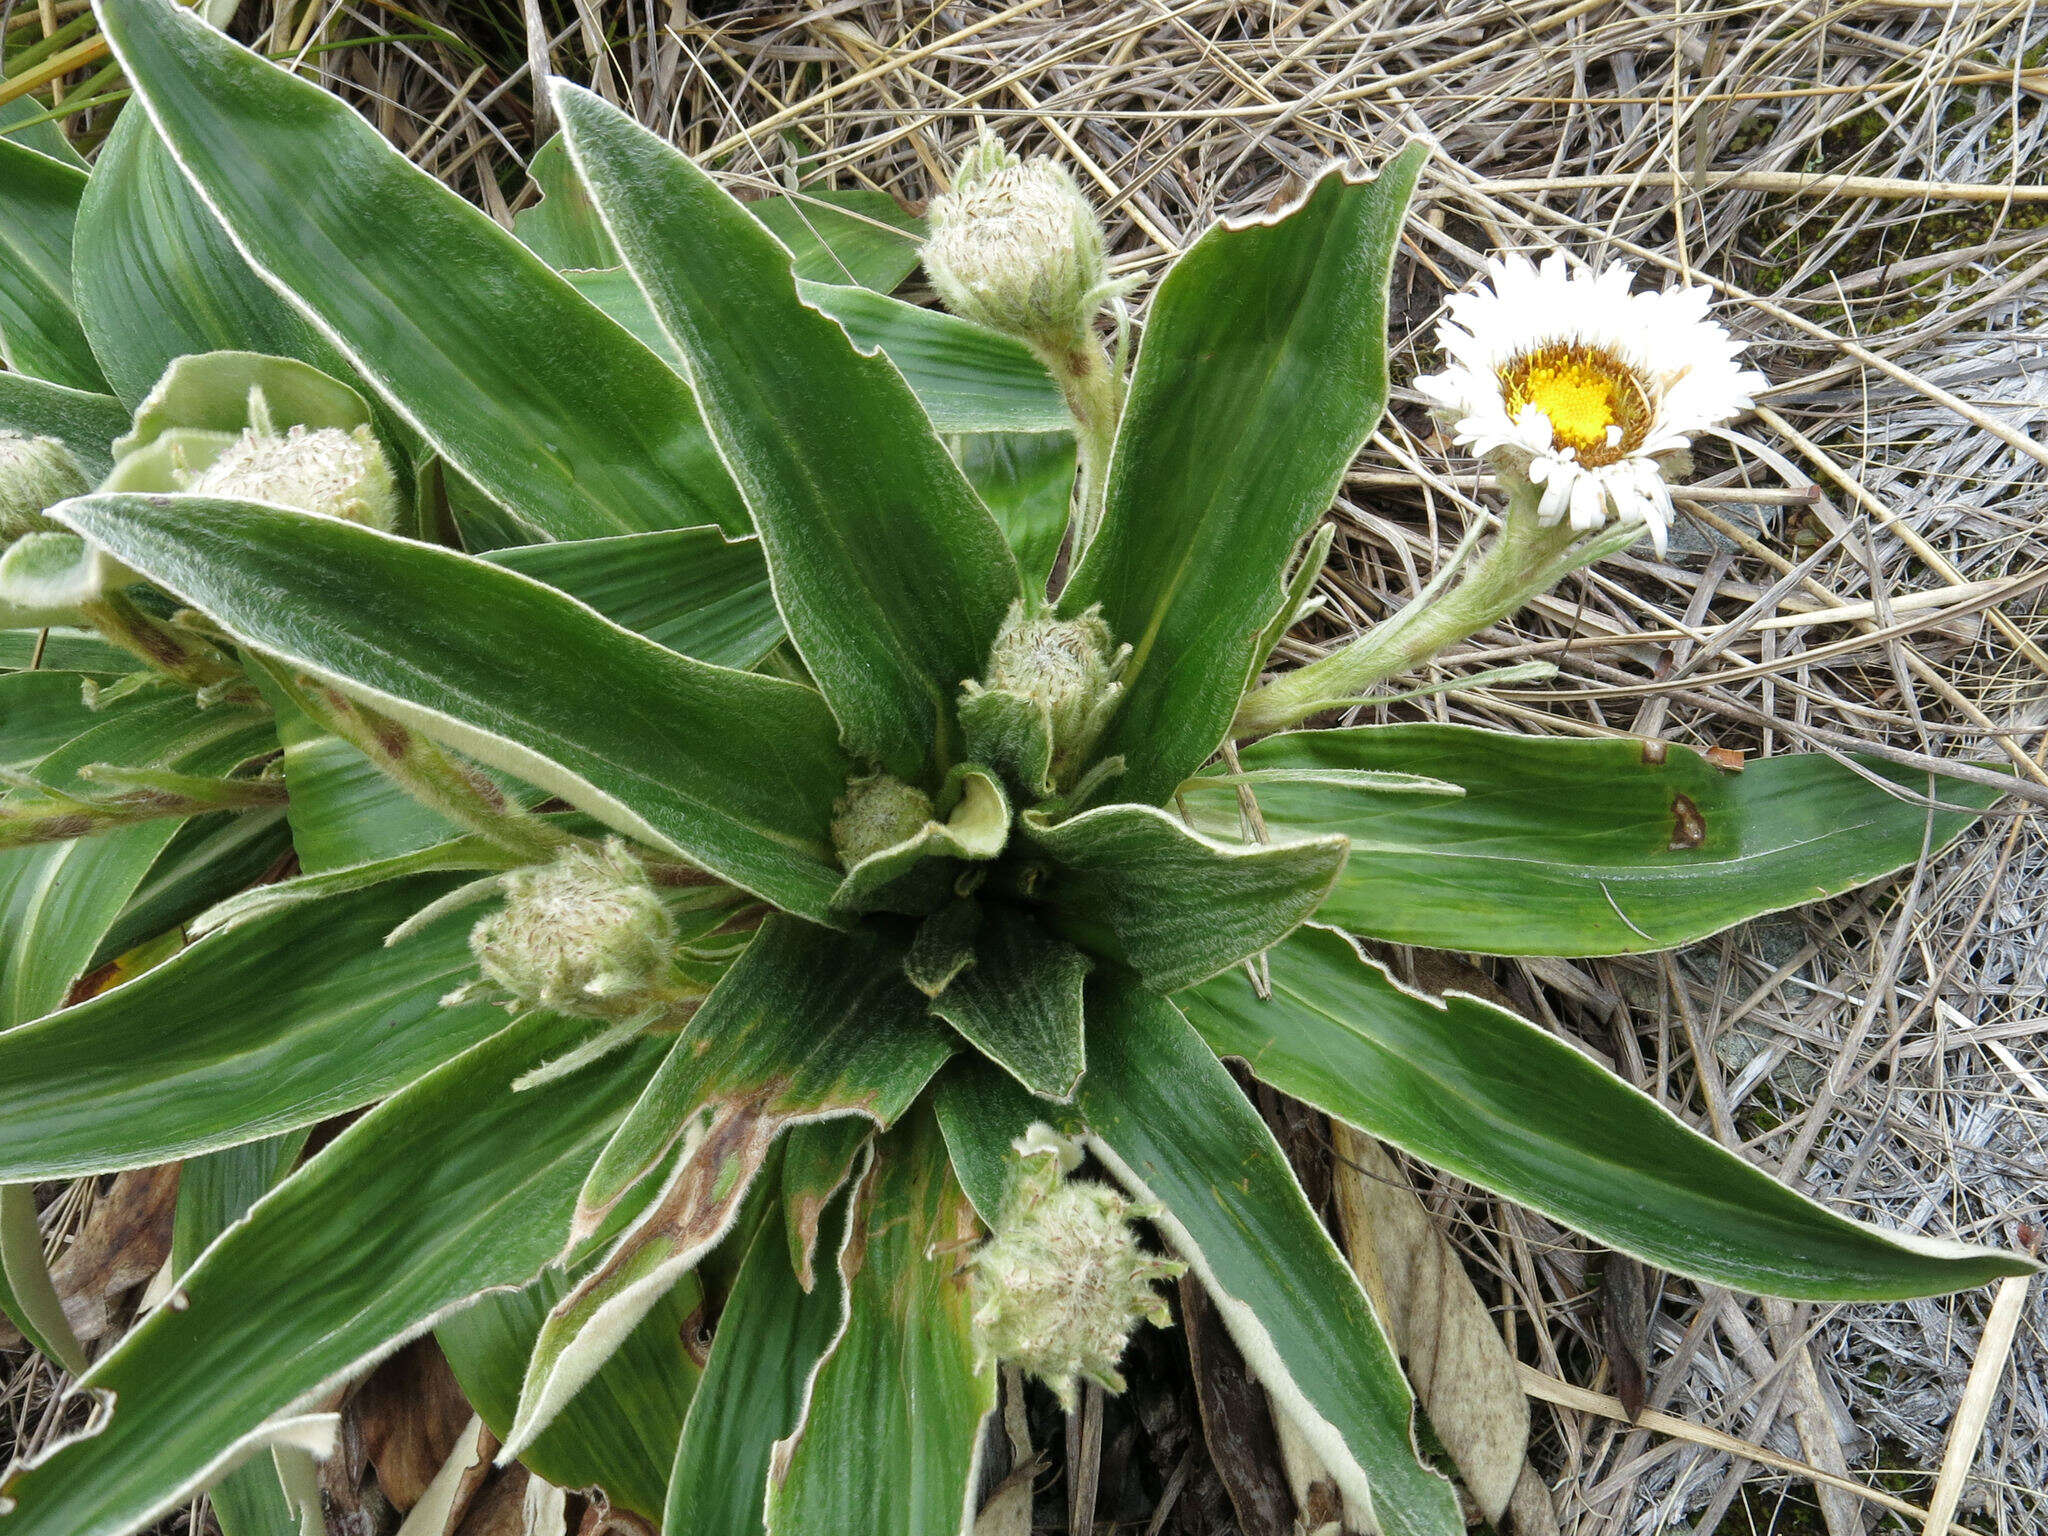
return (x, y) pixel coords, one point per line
(1731, 759)
(1688, 826)
(162, 648)
(701, 1196)
(696, 1333)
(1654, 753)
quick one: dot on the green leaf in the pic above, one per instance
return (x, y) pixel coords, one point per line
(537, 397)
(40, 132)
(1019, 1004)
(1131, 883)
(40, 711)
(284, 1021)
(968, 379)
(82, 421)
(471, 851)
(818, 1158)
(59, 649)
(28, 1297)
(207, 860)
(1026, 479)
(456, 1186)
(895, 1410)
(1012, 733)
(1564, 846)
(1262, 371)
(157, 277)
(48, 578)
(856, 236)
(770, 1337)
(982, 1110)
(158, 726)
(252, 1501)
(735, 771)
(39, 332)
(620, 1433)
(891, 576)
(1492, 1098)
(1377, 781)
(807, 1025)
(1166, 1118)
(690, 589)
(210, 392)
(1296, 594)
(214, 1192)
(57, 900)
(563, 228)
(343, 809)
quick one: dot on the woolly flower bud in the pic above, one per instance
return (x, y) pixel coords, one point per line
(325, 470)
(35, 473)
(585, 935)
(1062, 1283)
(1068, 666)
(1016, 247)
(876, 812)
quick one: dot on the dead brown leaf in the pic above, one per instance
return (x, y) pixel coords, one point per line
(1462, 1373)
(1625, 1328)
(500, 1509)
(407, 1419)
(124, 1243)
(1237, 1423)
(1007, 1511)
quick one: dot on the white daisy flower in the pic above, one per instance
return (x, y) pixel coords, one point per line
(1567, 380)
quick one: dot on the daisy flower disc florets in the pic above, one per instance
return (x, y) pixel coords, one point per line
(1568, 381)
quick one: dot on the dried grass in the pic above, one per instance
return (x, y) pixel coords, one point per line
(1855, 179)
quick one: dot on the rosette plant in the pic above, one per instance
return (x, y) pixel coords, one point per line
(750, 840)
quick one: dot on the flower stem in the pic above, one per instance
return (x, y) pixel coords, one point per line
(145, 797)
(188, 658)
(1094, 394)
(1523, 560)
(424, 770)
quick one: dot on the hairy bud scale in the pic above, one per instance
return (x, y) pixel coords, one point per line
(35, 474)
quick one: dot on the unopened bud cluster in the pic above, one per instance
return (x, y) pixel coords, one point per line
(585, 934)
(1070, 668)
(35, 474)
(1016, 247)
(877, 811)
(1062, 1283)
(324, 470)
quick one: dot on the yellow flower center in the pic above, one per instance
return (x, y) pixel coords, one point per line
(1596, 403)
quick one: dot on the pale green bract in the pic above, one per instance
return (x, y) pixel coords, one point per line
(668, 664)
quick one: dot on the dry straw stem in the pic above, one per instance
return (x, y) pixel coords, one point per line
(1859, 181)
(1791, 183)
(1550, 1390)
(1999, 1331)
